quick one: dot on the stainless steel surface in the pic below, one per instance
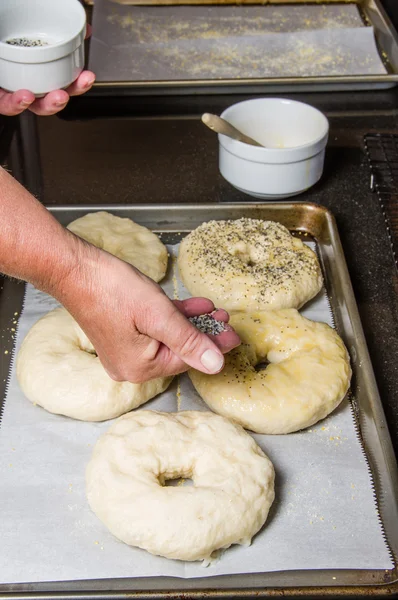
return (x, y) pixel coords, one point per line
(173, 221)
(373, 14)
(185, 2)
(219, 125)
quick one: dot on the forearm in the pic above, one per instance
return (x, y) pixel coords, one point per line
(137, 332)
(33, 245)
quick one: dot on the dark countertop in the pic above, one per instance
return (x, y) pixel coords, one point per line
(135, 151)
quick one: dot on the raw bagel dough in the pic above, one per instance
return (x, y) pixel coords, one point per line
(308, 375)
(57, 368)
(228, 503)
(248, 264)
(125, 239)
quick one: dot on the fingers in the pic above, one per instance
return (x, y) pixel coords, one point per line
(165, 323)
(54, 102)
(50, 104)
(82, 84)
(194, 306)
(166, 363)
(88, 30)
(12, 104)
(151, 360)
(225, 341)
(16, 103)
(219, 314)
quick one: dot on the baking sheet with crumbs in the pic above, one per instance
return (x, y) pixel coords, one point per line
(324, 515)
(155, 43)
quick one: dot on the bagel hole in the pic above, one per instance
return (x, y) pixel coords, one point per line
(261, 366)
(178, 482)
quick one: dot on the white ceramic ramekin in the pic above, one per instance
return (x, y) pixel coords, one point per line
(41, 69)
(294, 135)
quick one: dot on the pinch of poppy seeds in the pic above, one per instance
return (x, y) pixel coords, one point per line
(208, 324)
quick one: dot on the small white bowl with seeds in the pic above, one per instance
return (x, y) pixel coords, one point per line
(41, 44)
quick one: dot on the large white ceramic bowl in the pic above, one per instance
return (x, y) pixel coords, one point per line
(294, 135)
(59, 25)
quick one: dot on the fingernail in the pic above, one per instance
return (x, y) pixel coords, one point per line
(25, 103)
(212, 361)
(63, 103)
(90, 82)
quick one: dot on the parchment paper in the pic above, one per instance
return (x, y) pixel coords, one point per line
(188, 43)
(324, 515)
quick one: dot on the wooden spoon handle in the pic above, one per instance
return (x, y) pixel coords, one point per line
(219, 125)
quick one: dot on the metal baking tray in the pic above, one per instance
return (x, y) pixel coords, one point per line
(372, 13)
(173, 221)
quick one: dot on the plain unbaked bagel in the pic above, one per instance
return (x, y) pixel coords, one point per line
(125, 239)
(57, 368)
(248, 264)
(308, 375)
(233, 483)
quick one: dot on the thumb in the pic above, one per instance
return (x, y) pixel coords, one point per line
(174, 330)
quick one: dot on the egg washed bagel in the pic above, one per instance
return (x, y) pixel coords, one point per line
(249, 264)
(307, 377)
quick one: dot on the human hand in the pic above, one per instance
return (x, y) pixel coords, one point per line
(138, 333)
(136, 330)
(12, 104)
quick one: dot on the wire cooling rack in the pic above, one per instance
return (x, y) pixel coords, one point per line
(382, 152)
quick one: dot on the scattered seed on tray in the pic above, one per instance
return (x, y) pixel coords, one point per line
(208, 324)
